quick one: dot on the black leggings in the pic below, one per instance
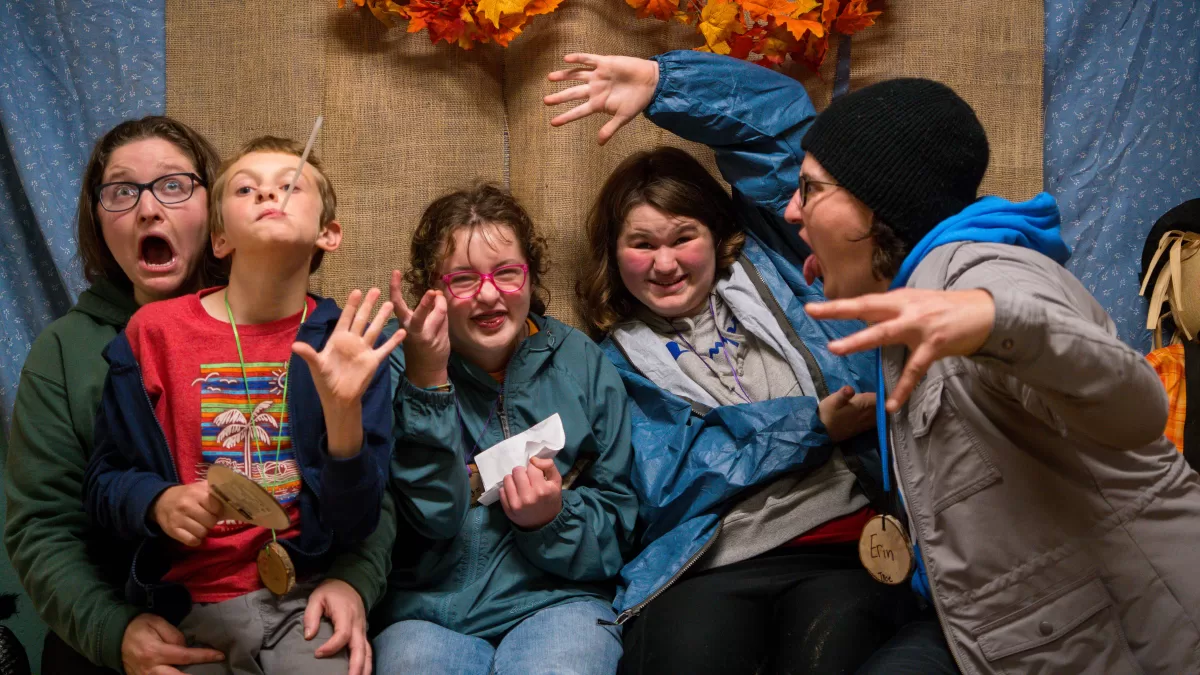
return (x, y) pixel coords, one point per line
(810, 609)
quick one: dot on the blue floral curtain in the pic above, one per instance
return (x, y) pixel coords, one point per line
(1122, 139)
(69, 71)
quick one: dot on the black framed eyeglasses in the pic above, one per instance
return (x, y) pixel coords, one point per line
(172, 188)
(806, 182)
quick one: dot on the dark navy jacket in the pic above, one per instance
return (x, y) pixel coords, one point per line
(131, 466)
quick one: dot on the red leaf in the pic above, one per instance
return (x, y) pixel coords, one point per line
(855, 18)
(659, 9)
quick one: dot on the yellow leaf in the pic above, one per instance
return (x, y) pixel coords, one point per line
(718, 21)
(492, 10)
(773, 48)
(761, 9)
(805, 6)
(380, 13)
(719, 48)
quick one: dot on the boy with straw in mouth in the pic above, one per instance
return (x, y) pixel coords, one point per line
(278, 385)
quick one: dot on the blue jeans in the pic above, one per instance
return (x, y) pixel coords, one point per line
(918, 648)
(559, 639)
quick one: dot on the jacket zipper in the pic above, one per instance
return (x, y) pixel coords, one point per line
(158, 425)
(636, 609)
(503, 415)
(137, 554)
(805, 353)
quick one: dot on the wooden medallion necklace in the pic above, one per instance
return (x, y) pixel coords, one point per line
(275, 566)
(884, 546)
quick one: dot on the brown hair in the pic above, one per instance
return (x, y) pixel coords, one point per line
(97, 260)
(889, 251)
(481, 204)
(284, 146)
(671, 181)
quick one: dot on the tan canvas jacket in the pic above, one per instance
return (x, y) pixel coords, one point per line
(1060, 530)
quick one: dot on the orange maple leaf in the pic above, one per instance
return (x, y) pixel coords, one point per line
(659, 9)
(814, 52)
(798, 27)
(536, 7)
(855, 17)
(509, 28)
(829, 12)
(761, 9)
(494, 10)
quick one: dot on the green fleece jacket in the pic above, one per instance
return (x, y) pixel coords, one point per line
(73, 576)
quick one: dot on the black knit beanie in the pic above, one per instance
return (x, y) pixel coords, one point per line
(910, 149)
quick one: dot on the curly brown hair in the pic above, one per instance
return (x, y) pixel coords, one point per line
(97, 259)
(671, 181)
(285, 146)
(480, 205)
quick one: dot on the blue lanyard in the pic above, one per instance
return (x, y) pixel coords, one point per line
(881, 422)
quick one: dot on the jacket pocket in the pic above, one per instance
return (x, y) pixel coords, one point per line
(1074, 630)
(956, 463)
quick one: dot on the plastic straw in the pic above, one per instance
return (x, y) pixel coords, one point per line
(312, 139)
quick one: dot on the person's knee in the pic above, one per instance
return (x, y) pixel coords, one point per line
(406, 647)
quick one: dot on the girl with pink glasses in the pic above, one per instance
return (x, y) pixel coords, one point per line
(524, 585)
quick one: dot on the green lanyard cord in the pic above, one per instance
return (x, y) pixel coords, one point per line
(246, 381)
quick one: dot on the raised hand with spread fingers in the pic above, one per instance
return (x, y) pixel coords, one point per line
(621, 86)
(427, 348)
(344, 368)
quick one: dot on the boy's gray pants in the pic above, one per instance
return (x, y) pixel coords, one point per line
(261, 634)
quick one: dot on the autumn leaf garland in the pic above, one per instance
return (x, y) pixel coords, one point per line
(768, 31)
(460, 22)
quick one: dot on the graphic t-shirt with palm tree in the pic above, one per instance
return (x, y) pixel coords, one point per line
(189, 363)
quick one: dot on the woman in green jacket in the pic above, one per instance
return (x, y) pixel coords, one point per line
(525, 584)
(157, 249)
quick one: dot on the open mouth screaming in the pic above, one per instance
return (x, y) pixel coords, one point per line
(156, 252)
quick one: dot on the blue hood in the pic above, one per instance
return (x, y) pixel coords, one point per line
(1033, 224)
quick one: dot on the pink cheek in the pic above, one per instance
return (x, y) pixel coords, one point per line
(635, 264)
(695, 260)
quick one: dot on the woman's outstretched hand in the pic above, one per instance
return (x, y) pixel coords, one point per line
(932, 324)
(621, 86)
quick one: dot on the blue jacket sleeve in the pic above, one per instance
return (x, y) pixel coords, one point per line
(593, 533)
(752, 117)
(353, 487)
(428, 470)
(689, 464)
(120, 484)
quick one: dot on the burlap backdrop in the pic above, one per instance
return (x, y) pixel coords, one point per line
(406, 121)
